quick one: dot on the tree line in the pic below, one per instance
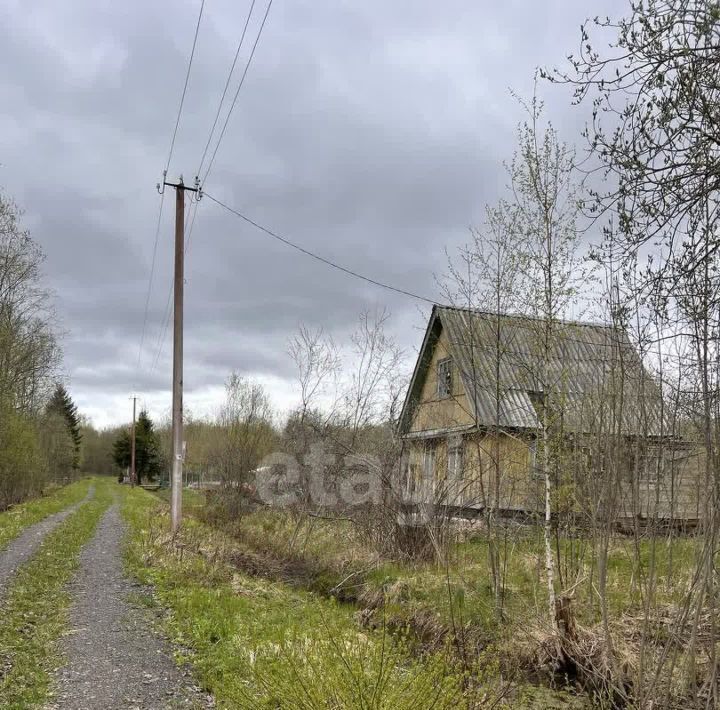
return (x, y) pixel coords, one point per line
(41, 430)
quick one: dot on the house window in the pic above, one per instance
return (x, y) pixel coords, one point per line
(455, 459)
(534, 467)
(650, 466)
(429, 463)
(407, 482)
(585, 458)
(444, 377)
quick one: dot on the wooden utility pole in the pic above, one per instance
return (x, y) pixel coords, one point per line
(177, 394)
(133, 472)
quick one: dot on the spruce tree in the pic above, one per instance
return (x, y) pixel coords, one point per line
(121, 453)
(61, 404)
(147, 449)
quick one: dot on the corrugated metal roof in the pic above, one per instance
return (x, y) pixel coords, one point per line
(516, 409)
(589, 370)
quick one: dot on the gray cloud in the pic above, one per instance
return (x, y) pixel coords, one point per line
(373, 134)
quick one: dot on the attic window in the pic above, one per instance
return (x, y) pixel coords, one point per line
(537, 397)
(444, 377)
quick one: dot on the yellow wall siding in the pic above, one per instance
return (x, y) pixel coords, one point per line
(478, 485)
(519, 488)
(680, 492)
(432, 412)
(497, 470)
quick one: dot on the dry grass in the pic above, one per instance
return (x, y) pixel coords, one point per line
(451, 606)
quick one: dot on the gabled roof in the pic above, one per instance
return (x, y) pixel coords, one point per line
(505, 374)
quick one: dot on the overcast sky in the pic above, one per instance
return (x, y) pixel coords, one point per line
(371, 132)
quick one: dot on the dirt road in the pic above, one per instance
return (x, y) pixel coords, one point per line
(114, 657)
(23, 547)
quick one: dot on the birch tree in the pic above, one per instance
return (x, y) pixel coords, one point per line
(487, 274)
(544, 208)
(655, 141)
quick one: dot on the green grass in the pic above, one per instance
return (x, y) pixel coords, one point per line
(430, 605)
(462, 588)
(453, 603)
(17, 518)
(331, 551)
(261, 644)
(192, 501)
(34, 611)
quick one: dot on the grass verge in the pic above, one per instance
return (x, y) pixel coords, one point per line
(17, 518)
(256, 643)
(34, 611)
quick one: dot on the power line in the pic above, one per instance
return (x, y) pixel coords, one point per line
(237, 92)
(184, 91)
(166, 317)
(162, 194)
(150, 282)
(317, 257)
(167, 312)
(227, 84)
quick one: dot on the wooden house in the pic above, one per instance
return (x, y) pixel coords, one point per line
(495, 401)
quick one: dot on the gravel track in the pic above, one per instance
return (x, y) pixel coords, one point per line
(114, 658)
(25, 545)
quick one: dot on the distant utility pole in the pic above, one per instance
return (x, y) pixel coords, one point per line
(177, 395)
(133, 472)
